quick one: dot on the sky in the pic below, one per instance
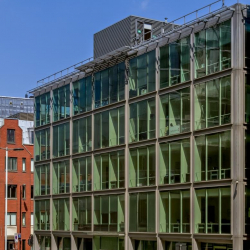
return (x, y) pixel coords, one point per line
(41, 37)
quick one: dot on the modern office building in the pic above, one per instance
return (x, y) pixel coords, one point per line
(146, 147)
(16, 134)
(12, 105)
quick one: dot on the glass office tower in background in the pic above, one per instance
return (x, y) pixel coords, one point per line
(146, 146)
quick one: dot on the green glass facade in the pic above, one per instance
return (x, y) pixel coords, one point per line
(149, 150)
(42, 109)
(142, 74)
(42, 144)
(175, 63)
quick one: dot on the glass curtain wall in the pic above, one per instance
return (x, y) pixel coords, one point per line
(215, 246)
(42, 180)
(142, 212)
(61, 214)
(109, 243)
(81, 212)
(213, 210)
(42, 109)
(61, 177)
(175, 211)
(82, 174)
(42, 215)
(247, 38)
(109, 170)
(175, 112)
(213, 156)
(45, 243)
(82, 95)
(247, 209)
(109, 85)
(145, 245)
(178, 245)
(42, 144)
(247, 97)
(142, 74)
(109, 128)
(212, 101)
(213, 49)
(175, 162)
(82, 135)
(109, 213)
(61, 140)
(142, 166)
(142, 120)
(175, 63)
(61, 103)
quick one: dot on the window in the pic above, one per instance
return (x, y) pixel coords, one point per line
(42, 109)
(31, 219)
(12, 191)
(32, 165)
(11, 136)
(145, 245)
(42, 214)
(12, 163)
(82, 135)
(170, 245)
(61, 214)
(175, 211)
(142, 212)
(23, 219)
(109, 213)
(61, 103)
(205, 246)
(213, 210)
(109, 128)
(175, 63)
(142, 166)
(81, 214)
(61, 177)
(61, 140)
(110, 243)
(32, 192)
(142, 74)
(212, 156)
(109, 85)
(175, 162)
(109, 170)
(213, 49)
(11, 219)
(213, 103)
(82, 174)
(82, 94)
(24, 164)
(45, 242)
(42, 144)
(175, 112)
(24, 191)
(42, 179)
(142, 120)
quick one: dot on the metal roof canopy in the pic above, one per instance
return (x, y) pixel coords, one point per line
(126, 50)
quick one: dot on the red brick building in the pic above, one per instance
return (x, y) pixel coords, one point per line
(17, 134)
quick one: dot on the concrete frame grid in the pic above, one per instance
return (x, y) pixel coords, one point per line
(236, 182)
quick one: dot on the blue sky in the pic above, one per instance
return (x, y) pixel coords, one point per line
(41, 37)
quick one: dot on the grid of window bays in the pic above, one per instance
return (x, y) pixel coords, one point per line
(212, 107)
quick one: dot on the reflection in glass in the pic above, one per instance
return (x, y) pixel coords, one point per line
(175, 112)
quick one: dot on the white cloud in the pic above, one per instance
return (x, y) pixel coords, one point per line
(144, 4)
